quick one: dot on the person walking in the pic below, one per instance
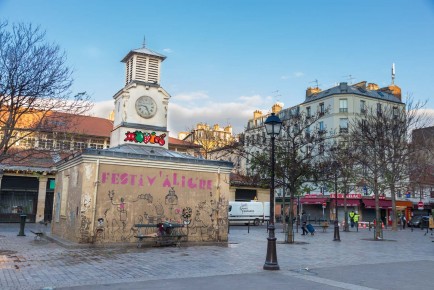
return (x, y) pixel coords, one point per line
(403, 221)
(304, 223)
(351, 214)
(356, 220)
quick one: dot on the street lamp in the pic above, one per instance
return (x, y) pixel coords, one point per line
(272, 125)
(336, 223)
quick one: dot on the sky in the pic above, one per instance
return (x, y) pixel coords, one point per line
(228, 58)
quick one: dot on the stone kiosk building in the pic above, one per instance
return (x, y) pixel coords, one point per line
(101, 194)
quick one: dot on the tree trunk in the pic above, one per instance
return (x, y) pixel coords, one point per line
(394, 215)
(290, 232)
(347, 227)
(378, 223)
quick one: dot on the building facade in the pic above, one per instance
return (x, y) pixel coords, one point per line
(337, 108)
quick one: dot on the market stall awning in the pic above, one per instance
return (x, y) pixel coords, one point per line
(370, 203)
(305, 200)
(349, 202)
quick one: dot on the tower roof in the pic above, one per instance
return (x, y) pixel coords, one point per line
(145, 51)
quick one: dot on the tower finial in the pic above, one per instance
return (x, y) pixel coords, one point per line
(144, 41)
(393, 73)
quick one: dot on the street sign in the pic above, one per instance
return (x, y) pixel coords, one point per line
(324, 205)
(420, 205)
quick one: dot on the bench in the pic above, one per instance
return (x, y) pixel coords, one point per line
(38, 235)
(161, 234)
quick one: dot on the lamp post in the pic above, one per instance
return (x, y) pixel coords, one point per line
(336, 223)
(272, 125)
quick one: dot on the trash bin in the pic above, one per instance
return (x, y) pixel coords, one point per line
(23, 218)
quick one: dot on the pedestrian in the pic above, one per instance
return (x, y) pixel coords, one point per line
(304, 223)
(356, 220)
(403, 221)
(351, 214)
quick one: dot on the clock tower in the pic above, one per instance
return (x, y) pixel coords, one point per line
(141, 106)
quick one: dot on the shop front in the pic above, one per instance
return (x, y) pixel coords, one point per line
(314, 207)
(351, 201)
(24, 195)
(368, 209)
(19, 195)
(403, 207)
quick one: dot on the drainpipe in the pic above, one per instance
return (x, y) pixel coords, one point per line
(95, 192)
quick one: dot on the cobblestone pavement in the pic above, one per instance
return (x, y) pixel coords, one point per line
(317, 262)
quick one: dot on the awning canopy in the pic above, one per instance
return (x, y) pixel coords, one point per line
(350, 202)
(310, 200)
(370, 203)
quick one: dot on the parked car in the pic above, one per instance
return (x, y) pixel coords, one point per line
(419, 221)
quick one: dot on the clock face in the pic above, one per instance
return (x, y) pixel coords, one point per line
(146, 107)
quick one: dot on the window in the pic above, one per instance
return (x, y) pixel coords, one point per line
(321, 109)
(28, 142)
(321, 127)
(395, 112)
(46, 143)
(308, 112)
(343, 125)
(379, 109)
(79, 145)
(362, 107)
(343, 106)
(364, 126)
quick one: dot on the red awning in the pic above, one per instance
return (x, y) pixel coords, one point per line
(350, 202)
(305, 200)
(370, 203)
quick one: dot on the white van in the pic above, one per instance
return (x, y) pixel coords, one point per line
(249, 211)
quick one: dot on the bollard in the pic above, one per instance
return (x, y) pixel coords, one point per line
(22, 224)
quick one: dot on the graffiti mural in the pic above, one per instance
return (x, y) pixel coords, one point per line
(127, 196)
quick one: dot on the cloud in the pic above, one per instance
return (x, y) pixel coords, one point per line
(167, 50)
(188, 97)
(184, 115)
(102, 109)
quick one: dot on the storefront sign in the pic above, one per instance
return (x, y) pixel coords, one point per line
(349, 195)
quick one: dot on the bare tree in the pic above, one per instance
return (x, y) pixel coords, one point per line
(34, 88)
(301, 143)
(382, 144)
(340, 161)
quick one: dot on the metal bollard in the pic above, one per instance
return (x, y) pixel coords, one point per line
(22, 224)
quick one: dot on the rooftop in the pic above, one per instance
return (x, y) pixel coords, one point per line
(344, 88)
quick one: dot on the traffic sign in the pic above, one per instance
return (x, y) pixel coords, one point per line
(324, 205)
(420, 205)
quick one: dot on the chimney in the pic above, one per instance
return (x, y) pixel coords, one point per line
(257, 114)
(311, 91)
(276, 108)
(372, 87)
